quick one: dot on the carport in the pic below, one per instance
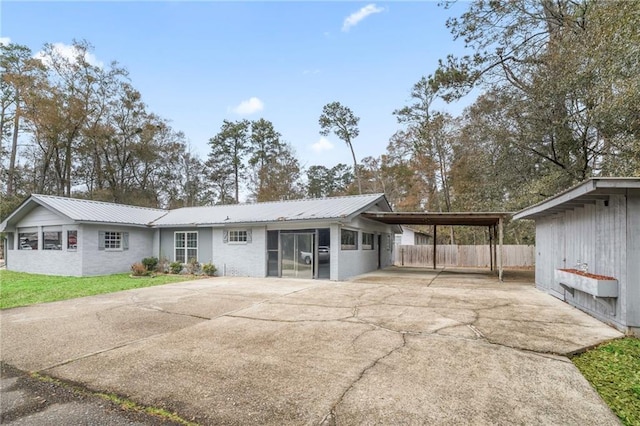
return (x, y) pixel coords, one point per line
(493, 220)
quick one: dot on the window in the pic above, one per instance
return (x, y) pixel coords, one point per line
(349, 240)
(367, 241)
(52, 240)
(113, 240)
(72, 240)
(186, 246)
(28, 241)
(237, 236)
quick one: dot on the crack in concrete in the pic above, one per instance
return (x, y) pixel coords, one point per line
(284, 320)
(331, 417)
(159, 309)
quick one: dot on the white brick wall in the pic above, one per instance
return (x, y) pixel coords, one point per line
(239, 259)
(104, 262)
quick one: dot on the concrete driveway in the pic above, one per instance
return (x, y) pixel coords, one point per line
(400, 346)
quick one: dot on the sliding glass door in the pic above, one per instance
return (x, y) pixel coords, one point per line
(297, 255)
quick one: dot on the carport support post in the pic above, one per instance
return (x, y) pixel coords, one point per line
(500, 235)
(490, 250)
(434, 246)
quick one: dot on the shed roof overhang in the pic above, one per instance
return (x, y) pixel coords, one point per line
(429, 218)
(588, 192)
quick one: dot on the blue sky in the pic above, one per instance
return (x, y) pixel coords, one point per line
(197, 63)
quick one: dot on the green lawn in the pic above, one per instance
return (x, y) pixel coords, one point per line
(20, 289)
(613, 369)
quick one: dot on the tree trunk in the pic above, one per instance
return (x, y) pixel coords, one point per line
(14, 148)
(355, 167)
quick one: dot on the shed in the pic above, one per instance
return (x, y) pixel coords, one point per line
(588, 248)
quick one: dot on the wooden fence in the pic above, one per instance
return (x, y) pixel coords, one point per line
(455, 255)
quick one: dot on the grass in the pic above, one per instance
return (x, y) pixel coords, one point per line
(124, 403)
(613, 369)
(20, 289)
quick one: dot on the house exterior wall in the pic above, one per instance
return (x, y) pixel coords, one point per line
(355, 262)
(51, 262)
(603, 237)
(104, 262)
(241, 259)
(166, 243)
(41, 216)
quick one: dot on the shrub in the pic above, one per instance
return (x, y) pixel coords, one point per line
(193, 267)
(151, 263)
(175, 267)
(209, 269)
(138, 270)
(163, 265)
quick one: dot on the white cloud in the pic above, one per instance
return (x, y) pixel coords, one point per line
(355, 18)
(70, 53)
(4, 41)
(248, 107)
(323, 144)
(313, 71)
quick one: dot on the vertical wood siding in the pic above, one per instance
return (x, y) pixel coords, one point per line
(595, 234)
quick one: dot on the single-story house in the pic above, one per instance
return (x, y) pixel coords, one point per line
(324, 238)
(588, 248)
(412, 237)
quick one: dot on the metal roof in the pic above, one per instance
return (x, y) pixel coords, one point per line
(429, 218)
(277, 211)
(587, 192)
(87, 211)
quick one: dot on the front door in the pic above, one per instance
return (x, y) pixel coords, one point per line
(297, 257)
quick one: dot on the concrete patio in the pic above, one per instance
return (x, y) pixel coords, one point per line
(408, 346)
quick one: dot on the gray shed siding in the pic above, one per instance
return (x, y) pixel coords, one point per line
(104, 262)
(604, 237)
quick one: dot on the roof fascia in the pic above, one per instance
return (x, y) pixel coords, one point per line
(563, 197)
(351, 216)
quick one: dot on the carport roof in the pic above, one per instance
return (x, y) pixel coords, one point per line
(431, 218)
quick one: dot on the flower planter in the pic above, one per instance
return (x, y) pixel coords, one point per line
(596, 285)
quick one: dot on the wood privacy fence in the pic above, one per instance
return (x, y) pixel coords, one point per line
(455, 255)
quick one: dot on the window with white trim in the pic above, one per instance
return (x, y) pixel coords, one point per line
(367, 241)
(27, 240)
(185, 246)
(349, 240)
(72, 239)
(113, 240)
(239, 236)
(52, 240)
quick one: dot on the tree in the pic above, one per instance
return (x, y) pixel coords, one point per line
(431, 135)
(325, 182)
(343, 123)
(566, 68)
(282, 182)
(21, 73)
(226, 159)
(265, 146)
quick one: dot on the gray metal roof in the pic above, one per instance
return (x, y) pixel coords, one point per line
(88, 210)
(587, 192)
(278, 211)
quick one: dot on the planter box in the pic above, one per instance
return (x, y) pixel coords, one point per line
(596, 285)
